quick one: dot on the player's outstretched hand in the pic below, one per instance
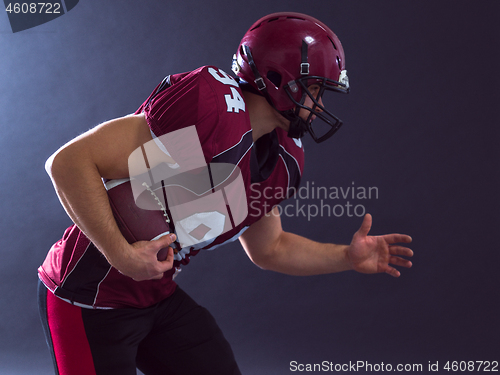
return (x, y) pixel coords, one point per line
(140, 261)
(375, 254)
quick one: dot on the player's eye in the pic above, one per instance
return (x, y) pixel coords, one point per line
(314, 90)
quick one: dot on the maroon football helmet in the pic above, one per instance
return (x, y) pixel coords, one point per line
(281, 55)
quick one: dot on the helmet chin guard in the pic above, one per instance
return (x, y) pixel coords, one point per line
(298, 126)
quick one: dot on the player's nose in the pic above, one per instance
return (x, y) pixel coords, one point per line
(318, 108)
(320, 101)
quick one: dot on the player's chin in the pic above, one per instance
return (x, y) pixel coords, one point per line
(309, 120)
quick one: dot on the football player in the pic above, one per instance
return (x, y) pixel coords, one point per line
(109, 306)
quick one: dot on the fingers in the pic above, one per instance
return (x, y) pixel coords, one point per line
(164, 253)
(165, 258)
(397, 261)
(365, 225)
(397, 238)
(149, 260)
(163, 241)
(400, 250)
(393, 272)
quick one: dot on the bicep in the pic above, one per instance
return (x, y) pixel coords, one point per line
(262, 238)
(107, 146)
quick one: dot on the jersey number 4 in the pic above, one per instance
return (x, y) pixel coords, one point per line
(234, 100)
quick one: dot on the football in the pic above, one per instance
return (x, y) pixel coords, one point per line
(137, 224)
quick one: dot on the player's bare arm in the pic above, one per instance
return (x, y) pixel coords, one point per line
(76, 170)
(269, 247)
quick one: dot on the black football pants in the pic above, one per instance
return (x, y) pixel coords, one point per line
(174, 337)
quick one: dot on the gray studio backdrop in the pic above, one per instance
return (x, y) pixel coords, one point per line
(421, 126)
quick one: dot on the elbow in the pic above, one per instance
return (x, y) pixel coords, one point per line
(49, 163)
(264, 254)
(59, 163)
(55, 164)
(263, 260)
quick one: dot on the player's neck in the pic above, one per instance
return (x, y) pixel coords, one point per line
(263, 118)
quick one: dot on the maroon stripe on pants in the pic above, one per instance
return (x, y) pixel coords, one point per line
(71, 348)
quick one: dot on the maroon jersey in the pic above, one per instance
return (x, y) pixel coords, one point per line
(209, 99)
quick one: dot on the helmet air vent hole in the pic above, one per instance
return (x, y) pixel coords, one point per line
(274, 77)
(333, 44)
(256, 27)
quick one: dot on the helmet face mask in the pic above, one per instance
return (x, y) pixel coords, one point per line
(281, 56)
(331, 123)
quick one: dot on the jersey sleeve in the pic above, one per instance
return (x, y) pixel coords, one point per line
(177, 106)
(207, 98)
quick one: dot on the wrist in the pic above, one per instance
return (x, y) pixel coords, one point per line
(115, 249)
(347, 258)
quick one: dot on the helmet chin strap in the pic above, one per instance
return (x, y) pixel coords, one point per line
(298, 127)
